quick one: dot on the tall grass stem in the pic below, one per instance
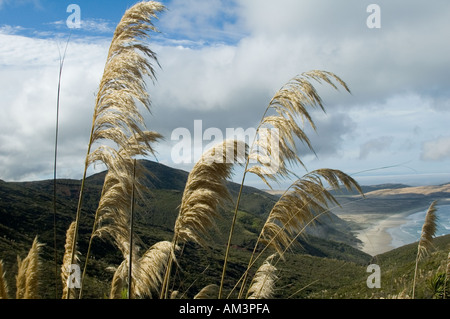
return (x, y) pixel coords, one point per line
(55, 244)
(130, 277)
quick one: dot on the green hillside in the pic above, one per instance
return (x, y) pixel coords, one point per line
(397, 273)
(324, 264)
(26, 211)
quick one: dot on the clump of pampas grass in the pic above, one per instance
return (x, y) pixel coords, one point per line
(300, 205)
(205, 192)
(28, 274)
(274, 150)
(117, 119)
(147, 272)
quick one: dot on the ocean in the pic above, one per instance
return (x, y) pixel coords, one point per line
(410, 231)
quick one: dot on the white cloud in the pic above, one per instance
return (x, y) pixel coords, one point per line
(205, 20)
(8, 29)
(29, 82)
(376, 145)
(437, 149)
(223, 65)
(407, 53)
(89, 25)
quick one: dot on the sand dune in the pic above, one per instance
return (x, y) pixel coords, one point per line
(423, 190)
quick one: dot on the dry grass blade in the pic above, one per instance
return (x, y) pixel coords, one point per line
(3, 283)
(27, 279)
(206, 190)
(263, 283)
(447, 272)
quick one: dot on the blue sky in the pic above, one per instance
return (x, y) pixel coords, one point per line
(45, 18)
(221, 62)
(38, 16)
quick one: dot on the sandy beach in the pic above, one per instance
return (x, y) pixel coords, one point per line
(374, 236)
(376, 228)
(376, 239)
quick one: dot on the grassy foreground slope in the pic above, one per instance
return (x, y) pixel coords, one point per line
(397, 273)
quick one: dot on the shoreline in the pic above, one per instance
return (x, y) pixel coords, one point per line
(376, 239)
(374, 236)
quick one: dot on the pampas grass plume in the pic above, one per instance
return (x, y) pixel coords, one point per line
(123, 86)
(206, 190)
(27, 279)
(428, 232)
(426, 239)
(263, 283)
(67, 261)
(147, 272)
